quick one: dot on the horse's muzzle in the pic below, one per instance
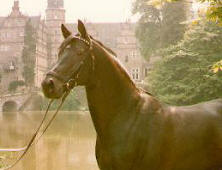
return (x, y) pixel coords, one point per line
(50, 90)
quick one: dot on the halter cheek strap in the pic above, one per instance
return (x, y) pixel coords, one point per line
(54, 74)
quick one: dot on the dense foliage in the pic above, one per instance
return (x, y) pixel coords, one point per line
(73, 102)
(15, 84)
(28, 54)
(184, 75)
(213, 11)
(159, 28)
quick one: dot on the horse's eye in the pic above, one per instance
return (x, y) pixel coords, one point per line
(80, 52)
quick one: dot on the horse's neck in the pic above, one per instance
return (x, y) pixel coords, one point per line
(112, 92)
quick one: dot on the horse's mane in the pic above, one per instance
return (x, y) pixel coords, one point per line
(67, 41)
(119, 65)
(101, 44)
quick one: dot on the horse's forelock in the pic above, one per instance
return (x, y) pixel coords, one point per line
(65, 43)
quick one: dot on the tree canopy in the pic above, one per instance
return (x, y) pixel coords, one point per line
(28, 54)
(15, 84)
(213, 10)
(159, 28)
(184, 75)
(71, 103)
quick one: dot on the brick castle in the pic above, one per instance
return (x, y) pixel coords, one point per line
(118, 36)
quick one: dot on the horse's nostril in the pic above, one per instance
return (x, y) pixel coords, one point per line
(51, 83)
(48, 85)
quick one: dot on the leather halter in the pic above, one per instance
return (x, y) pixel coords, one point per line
(71, 82)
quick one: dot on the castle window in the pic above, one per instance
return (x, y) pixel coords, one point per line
(3, 35)
(4, 48)
(8, 34)
(135, 74)
(12, 66)
(134, 54)
(146, 70)
(8, 24)
(126, 58)
(125, 41)
(21, 34)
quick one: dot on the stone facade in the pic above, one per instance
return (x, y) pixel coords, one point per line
(12, 31)
(41, 53)
(128, 51)
(55, 16)
(118, 36)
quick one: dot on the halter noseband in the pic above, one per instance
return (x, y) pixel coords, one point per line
(71, 82)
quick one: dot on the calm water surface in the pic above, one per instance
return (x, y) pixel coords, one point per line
(67, 145)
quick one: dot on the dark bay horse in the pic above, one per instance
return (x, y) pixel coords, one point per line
(134, 130)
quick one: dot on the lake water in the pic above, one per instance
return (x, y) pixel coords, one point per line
(68, 144)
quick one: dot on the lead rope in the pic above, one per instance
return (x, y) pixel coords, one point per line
(69, 86)
(32, 139)
(54, 116)
(24, 148)
(37, 131)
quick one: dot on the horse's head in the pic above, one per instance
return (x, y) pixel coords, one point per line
(73, 65)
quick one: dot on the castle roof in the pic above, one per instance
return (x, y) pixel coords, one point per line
(105, 32)
(54, 4)
(1, 20)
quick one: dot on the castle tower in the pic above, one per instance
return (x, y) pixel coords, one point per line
(55, 16)
(15, 9)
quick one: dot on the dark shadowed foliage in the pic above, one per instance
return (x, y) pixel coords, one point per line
(184, 75)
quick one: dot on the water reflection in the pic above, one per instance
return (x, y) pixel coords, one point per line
(68, 144)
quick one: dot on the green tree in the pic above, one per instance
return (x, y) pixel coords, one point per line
(159, 28)
(172, 29)
(72, 102)
(15, 84)
(28, 54)
(184, 76)
(213, 11)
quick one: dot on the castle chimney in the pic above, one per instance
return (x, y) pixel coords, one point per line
(15, 9)
(16, 6)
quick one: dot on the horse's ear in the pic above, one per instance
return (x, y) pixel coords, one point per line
(82, 29)
(65, 31)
